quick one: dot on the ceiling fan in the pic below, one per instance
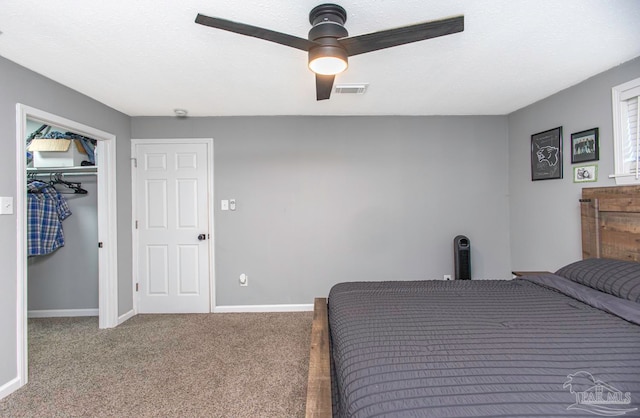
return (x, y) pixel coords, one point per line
(328, 45)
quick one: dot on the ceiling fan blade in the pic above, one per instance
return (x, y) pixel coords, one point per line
(399, 36)
(256, 32)
(324, 85)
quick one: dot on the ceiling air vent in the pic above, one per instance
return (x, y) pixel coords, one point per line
(351, 88)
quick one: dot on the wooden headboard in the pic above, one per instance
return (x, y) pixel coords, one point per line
(611, 222)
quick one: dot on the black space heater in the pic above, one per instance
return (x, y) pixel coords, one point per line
(462, 257)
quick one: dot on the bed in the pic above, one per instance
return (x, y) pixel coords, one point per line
(547, 344)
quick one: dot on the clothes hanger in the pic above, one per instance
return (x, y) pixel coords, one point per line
(58, 178)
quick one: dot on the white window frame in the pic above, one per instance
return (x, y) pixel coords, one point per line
(619, 95)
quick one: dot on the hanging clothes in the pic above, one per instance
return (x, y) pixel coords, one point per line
(46, 209)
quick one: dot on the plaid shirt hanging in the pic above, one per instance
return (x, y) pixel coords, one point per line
(46, 209)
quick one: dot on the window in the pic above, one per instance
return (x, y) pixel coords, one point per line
(626, 120)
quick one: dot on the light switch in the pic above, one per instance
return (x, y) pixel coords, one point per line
(224, 205)
(6, 205)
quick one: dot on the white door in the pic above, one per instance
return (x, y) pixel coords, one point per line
(172, 227)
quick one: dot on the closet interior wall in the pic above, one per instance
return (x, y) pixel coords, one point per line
(65, 282)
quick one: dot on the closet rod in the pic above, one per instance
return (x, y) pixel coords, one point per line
(78, 171)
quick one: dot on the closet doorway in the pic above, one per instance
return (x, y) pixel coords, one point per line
(106, 219)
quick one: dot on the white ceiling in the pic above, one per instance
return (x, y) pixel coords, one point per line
(148, 57)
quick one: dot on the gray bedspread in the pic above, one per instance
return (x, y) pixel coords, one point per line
(478, 349)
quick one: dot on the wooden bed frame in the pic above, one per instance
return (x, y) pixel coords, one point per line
(610, 218)
(319, 384)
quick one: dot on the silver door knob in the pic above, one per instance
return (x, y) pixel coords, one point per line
(202, 237)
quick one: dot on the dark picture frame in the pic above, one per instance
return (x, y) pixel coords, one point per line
(585, 146)
(546, 155)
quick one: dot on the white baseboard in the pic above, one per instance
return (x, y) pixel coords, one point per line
(9, 387)
(263, 308)
(126, 316)
(54, 313)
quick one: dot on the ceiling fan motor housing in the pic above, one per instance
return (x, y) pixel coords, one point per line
(327, 12)
(327, 21)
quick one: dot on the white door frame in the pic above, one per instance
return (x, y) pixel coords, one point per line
(210, 203)
(107, 227)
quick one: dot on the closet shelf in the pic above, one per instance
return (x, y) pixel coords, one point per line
(65, 170)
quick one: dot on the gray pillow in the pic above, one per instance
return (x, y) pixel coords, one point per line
(615, 277)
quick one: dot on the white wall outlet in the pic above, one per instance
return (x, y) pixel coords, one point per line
(244, 280)
(232, 204)
(447, 277)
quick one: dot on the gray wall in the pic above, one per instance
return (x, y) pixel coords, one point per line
(545, 215)
(19, 85)
(329, 199)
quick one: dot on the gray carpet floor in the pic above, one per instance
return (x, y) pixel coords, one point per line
(208, 365)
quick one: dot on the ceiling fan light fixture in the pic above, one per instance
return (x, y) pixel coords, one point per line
(328, 60)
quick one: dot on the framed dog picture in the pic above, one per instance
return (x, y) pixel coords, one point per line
(585, 173)
(546, 155)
